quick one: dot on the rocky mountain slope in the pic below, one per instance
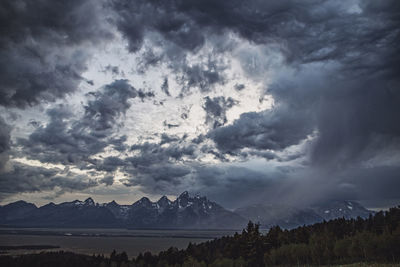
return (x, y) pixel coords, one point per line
(289, 217)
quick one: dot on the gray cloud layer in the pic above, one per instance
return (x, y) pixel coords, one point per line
(43, 48)
(28, 179)
(5, 142)
(216, 110)
(68, 140)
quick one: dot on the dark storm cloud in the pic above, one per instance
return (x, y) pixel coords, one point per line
(216, 108)
(5, 130)
(188, 24)
(111, 164)
(203, 75)
(137, 17)
(119, 143)
(150, 153)
(236, 186)
(108, 180)
(160, 178)
(68, 140)
(158, 166)
(58, 142)
(371, 183)
(165, 138)
(356, 143)
(304, 31)
(239, 87)
(356, 122)
(148, 58)
(5, 142)
(143, 95)
(357, 183)
(110, 103)
(28, 179)
(43, 48)
(178, 35)
(344, 84)
(274, 129)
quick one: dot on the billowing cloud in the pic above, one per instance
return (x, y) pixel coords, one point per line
(216, 108)
(340, 81)
(68, 140)
(111, 102)
(43, 51)
(30, 179)
(5, 142)
(274, 129)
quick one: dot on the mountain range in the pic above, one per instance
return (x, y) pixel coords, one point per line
(290, 217)
(186, 212)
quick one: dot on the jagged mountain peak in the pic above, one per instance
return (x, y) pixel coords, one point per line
(20, 203)
(164, 201)
(51, 204)
(185, 194)
(144, 201)
(288, 216)
(76, 201)
(113, 203)
(341, 208)
(89, 201)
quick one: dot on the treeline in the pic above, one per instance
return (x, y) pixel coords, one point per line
(375, 239)
(66, 259)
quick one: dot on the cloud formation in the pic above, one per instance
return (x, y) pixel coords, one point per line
(68, 140)
(216, 108)
(29, 179)
(43, 48)
(5, 142)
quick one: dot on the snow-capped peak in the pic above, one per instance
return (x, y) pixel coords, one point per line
(75, 202)
(144, 201)
(164, 201)
(113, 203)
(89, 202)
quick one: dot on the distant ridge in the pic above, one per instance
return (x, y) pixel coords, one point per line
(290, 217)
(186, 212)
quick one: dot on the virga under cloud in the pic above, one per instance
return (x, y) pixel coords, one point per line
(254, 99)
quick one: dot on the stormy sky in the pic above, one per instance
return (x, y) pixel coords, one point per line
(245, 102)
